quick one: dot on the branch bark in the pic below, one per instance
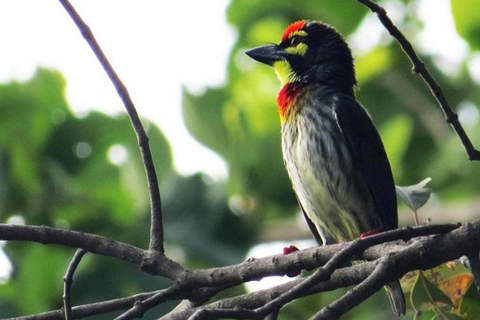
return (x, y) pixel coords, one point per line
(148, 261)
(421, 253)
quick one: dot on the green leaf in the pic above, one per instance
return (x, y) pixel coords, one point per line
(425, 315)
(415, 196)
(426, 296)
(470, 304)
(447, 315)
(466, 14)
(432, 315)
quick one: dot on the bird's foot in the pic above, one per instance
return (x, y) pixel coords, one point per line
(370, 233)
(288, 250)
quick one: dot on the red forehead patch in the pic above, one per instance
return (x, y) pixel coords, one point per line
(292, 28)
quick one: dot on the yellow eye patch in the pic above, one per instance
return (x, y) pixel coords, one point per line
(299, 49)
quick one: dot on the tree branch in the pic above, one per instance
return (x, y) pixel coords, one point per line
(92, 309)
(148, 261)
(419, 68)
(156, 226)
(421, 254)
(356, 295)
(68, 280)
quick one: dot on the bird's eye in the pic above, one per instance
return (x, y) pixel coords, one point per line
(295, 41)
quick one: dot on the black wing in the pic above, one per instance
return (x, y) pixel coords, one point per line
(311, 225)
(369, 154)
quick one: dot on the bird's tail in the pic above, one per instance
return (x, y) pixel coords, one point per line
(397, 298)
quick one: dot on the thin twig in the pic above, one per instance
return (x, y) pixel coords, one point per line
(68, 280)
(355, 296)
(156, 227)
(419, 68)
(142, 306)
(197, 297)
(91, 309)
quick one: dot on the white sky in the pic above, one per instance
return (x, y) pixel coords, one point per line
(154, 46)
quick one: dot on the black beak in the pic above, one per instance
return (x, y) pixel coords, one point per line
(267, 54)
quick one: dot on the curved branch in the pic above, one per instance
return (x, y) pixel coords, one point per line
(74, 239)
(419, 68)
(156, 227)
(149, 261)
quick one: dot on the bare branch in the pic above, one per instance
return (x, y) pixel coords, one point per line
(74, 239)
(141, 307)
(148, 261)
(419, 68)
(356, 295)
(92, 309)
(156, 227)
(68, 280)
(423, 253)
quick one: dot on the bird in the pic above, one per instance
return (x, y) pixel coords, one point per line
(332, 151)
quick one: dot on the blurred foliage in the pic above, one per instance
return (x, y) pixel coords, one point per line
(85, 173)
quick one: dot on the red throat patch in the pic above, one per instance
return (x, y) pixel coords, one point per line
(286, 97)
(292, 28)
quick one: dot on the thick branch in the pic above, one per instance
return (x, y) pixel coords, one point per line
(419, 67)
(421, 254)
(156, 230)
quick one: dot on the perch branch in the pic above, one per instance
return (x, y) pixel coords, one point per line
(156, 227)
(419, 68)
(421, 253)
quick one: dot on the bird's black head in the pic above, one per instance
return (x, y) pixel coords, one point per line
(310, 52)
